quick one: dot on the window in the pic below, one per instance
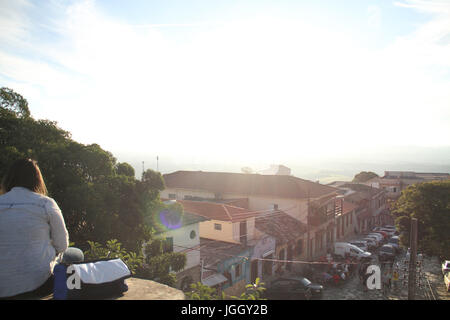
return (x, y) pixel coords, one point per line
(217, 226)
(193, 234)
(172, 196)
(168, 245)
(237, 271)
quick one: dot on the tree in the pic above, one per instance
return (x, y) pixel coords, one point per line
(160, 262)
(99, 198)
(125, 169)
(14, 102)
(429, 202)
(200, 291)
(364, 176)
(113, 249)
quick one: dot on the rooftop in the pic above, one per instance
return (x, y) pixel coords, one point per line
(172, 220)
(281, 226)
(213, 251)
(216, 211)
(280, 186)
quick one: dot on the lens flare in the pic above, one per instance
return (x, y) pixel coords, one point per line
(170, 219)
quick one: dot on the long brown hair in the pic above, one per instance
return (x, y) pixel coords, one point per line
(24, 173)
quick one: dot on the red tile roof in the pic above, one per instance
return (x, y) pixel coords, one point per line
(247, 184)
(281, 226)
(216, 211)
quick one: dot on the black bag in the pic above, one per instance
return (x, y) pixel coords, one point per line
(97, 279)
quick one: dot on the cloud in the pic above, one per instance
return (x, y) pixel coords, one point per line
(273, 84)
(374, 16)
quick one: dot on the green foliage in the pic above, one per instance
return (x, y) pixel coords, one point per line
(114, 249)
(364, 176)
(99, 198)
(430, 203)
(13, 102)
(159, 264)
(125, 169)
(200, 291)
(252, 291)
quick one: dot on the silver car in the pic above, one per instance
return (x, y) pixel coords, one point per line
(361, 244)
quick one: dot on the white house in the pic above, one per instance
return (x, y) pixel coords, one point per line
(182, 234)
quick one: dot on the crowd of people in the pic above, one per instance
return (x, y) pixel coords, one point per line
(332, 272)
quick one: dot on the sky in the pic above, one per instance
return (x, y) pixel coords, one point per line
(267, 81)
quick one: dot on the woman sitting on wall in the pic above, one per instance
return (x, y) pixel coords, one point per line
(32, 233)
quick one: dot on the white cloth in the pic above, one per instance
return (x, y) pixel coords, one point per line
(32, 233)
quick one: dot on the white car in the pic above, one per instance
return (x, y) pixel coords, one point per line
(360, 244)
(446, 266)
(344, 249)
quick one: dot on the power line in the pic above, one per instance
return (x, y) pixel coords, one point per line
(263, 259)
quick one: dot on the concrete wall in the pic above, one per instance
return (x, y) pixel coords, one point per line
(227, 234)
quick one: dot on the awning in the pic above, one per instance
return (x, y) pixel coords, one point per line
(215, 279)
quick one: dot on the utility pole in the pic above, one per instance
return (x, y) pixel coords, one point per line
(412, 260)
(143, 170)
(157, 164)
(308, 219)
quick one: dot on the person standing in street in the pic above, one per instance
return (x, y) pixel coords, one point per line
(395, 278)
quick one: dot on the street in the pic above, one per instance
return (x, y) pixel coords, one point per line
(431, 285)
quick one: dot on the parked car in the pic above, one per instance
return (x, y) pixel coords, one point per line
(294, 288)
(376, 238)
(384, 236)
(378, 235)
(363, 245)
(395, 242)
(387, 252)
(447, 280)
(344, 249)
(372, 244)
(446, 266)
(389, 231)
(385, 233)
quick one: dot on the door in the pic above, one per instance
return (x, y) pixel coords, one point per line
(243, 232)
(254, 271)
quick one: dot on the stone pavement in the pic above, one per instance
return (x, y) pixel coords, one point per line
(352, 289)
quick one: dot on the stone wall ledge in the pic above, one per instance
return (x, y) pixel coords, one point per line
(141, 289)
